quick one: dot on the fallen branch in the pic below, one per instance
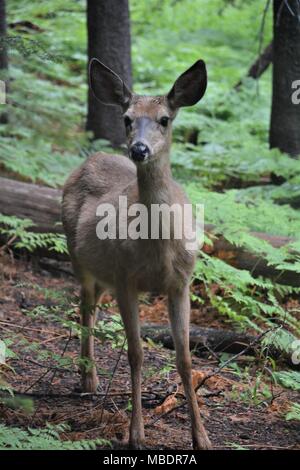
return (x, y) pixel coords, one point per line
(201, 339)
(236, 356)
(215, 372)
(259, 66)
(211, 340)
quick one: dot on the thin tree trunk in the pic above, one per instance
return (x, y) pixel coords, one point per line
(260, 65)
(285, 115)
(109, 41)
(3, 62)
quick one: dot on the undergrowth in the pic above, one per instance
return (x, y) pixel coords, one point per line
(48, 438)
(45, 137)
(227, 167)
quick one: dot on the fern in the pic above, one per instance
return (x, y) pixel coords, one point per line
(280, 339)
(48, 99)
(244, 299)
(48, 438)
(289, 379)
(16, 232)
(294, 412)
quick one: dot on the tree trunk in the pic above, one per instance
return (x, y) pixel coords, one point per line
(109, 41)
(285, 115)
(39, 203)
(3, 62)
(259, 66)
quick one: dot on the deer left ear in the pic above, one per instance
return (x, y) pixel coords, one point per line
(190, 87)
(107, 86)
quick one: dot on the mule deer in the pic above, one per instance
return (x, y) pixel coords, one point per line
(129, 266)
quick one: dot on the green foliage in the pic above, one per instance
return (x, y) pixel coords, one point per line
(109, 330)
(112, 330)
(7, 397)
(294, 412)
(18, 403)
(257, 390)
(45, 137)
(288, 378)
(62, 296)
(17, 233)
(246, 301)
(280, 339)
(48, 438)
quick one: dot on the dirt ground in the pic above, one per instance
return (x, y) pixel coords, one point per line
(41, 343)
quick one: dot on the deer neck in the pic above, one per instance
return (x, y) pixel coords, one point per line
(155, 182)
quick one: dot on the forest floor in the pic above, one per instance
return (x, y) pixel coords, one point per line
(232, 417)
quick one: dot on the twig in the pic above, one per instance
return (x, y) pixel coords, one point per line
(73, 395)
(53, 339)
(261, 34)
(289, 8)
(8, 323)
(112, 377)
(236, 356)
(49, 369)
(59, 369)
(206, 346)
(53, 375)
(264, 446)
(214, 372)
(8, 243)
(37, 381)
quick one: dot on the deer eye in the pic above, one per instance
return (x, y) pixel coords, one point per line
(164, 121)
(127, 121)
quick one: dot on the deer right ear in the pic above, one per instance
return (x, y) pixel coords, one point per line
(107, 86)
(189, 87)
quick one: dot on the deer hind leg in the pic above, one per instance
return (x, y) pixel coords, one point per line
(90, 293)
(128, 305)
(179, 312)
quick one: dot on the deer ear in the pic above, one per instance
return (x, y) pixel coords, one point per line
(189, 87)
(107, 86)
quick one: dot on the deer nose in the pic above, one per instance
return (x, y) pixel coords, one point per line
(139, 152)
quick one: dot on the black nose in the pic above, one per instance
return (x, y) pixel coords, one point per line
(139, 152)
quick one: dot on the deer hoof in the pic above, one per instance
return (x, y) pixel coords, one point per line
(136, 445)
(202, 443)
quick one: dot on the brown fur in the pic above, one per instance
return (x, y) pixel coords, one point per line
(130, 266)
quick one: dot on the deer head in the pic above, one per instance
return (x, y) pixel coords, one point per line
(148, 119)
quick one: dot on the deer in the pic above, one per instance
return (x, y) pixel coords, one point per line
(129, 267)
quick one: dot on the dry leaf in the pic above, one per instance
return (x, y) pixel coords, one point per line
(169, 403)
(197, 377)
(239, 418)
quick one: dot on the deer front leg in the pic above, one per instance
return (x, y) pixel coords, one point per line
(128, 305)
(89, 379)
(179, 312)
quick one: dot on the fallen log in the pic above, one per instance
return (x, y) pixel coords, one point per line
(242, 259)
(38, 203)
(204, 340)
(293, 201)
(208, 341)
(42, 205)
